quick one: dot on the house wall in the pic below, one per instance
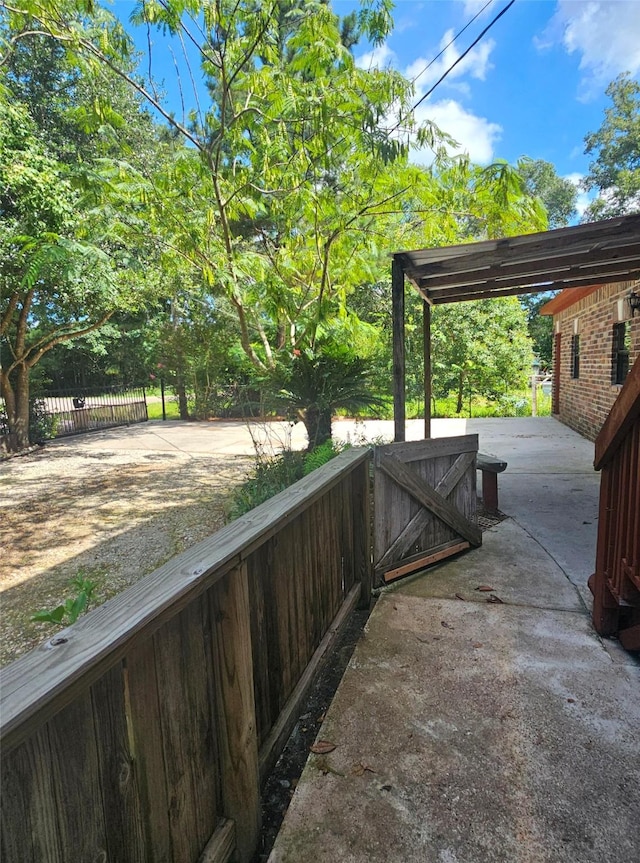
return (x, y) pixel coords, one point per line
(585, 401)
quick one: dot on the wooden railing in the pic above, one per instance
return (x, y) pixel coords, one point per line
(616, 582)
(142, 732)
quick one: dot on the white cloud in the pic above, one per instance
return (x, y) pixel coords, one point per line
(475, 135)
(584, 198)
(476, 63)
(605, 33)
(472, 7)
(379, 58)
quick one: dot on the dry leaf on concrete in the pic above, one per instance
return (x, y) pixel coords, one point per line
(323, 747)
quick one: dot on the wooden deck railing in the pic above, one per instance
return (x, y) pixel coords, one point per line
(616, 582)
(142, 732)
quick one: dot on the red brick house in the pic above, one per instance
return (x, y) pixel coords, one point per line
(596, 342)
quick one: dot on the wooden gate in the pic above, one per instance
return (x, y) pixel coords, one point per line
(425, 503)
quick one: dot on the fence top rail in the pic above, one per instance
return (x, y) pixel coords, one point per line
(39, 684)
(625, 411)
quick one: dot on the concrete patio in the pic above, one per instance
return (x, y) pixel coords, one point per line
(476, 731)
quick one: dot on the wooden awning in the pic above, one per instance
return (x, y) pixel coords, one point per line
(578, 257)
(594, 253)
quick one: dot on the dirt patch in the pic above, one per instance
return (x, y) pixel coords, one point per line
(110, 516)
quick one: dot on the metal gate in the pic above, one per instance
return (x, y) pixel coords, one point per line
(425, 504)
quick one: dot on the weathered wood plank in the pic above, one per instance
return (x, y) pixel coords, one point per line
(76, 775)
(179, 746)
(222, 844)
(427, 497)
(118, 780)
(361, 509)
(426, 359)
(143, 707)
(577, 239)
(274, 743)
(420, 450)
(415, 527)
(423, 560)
(264, 664)
(28, 814)
(397, 311)
(238, 744)
(41, 683)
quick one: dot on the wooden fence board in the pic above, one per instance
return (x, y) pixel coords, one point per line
(136, 731)
(44, 680)
(236, 719)
(121, 796)
(143, 705)
(75, 769)
(29, 831)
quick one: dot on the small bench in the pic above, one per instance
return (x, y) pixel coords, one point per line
(490, 467)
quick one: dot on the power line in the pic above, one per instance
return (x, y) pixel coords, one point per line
(454, 64)
(449, 44)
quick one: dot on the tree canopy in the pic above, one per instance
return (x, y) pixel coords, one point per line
(275, 200)
(615, 171)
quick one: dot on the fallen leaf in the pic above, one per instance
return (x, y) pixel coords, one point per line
(323, 747)
(360, 769)
(478, 644)
(494, 599)
(485, 588)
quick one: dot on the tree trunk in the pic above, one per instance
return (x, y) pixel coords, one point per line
(16, 398)
(460, 393)
(183, 406)
(317, 422)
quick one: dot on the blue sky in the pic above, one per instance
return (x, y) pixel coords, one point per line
(534, 85)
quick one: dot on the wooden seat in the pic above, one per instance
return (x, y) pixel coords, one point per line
(490, 467)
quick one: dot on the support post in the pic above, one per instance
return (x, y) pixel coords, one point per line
(397, 306)
(426, 332)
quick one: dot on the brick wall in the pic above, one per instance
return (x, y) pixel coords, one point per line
(585, 401)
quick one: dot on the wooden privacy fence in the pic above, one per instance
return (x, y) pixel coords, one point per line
(142, 732)
(616, 582)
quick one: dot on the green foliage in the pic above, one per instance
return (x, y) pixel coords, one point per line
(272, 475)
(321, 455)
(540, 326)
(558, 195)
(313, 384)
(615, 171)
(72, 608)
(480, 348)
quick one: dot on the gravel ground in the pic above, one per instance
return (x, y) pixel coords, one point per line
(110, 516)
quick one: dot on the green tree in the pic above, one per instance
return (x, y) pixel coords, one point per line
(615, 170)
(54, 286)
(557, 194)
(479, 348)
(291, 189)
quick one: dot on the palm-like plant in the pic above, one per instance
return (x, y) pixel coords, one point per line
(316, 383)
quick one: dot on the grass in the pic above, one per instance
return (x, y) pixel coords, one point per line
(516, 404)
(154, 410)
